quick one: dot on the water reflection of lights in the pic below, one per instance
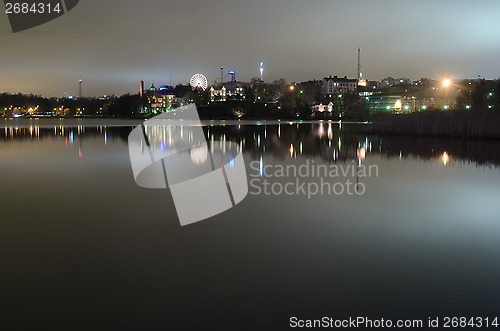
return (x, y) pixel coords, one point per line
(445, 158)
(361, 153)
(330, 131)
(261, 166)
(199, 155)
(321, 131)
(291, 150)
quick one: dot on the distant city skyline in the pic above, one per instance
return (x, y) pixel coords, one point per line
(116, 44)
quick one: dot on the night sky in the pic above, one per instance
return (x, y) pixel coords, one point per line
(117, 43)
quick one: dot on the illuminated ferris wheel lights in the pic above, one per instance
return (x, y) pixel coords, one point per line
(199, 81)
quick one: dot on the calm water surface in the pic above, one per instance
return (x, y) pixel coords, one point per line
(83, 247)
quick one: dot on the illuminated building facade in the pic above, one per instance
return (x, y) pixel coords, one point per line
(323, 108)
(231, 91)
(333, 85)
(382, 101)
(156, 101)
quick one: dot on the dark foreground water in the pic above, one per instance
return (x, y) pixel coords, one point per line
(83, 247)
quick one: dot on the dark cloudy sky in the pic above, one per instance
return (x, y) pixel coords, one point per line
(116, 43)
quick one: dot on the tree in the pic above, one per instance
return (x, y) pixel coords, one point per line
(496, 95)
(125, 106)
(479, 96)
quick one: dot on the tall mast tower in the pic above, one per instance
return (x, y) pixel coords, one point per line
(80, 87)
(361, 82)
(360, 74)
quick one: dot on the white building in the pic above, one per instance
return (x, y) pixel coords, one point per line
(229, 91)
(323, 108)
(332, 85)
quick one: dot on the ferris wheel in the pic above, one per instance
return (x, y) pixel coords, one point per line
(199, 80)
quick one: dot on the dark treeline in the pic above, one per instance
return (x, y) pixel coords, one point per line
(23, 104)
(481, 96)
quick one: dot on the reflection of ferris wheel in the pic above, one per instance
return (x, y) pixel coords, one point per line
(199, 80)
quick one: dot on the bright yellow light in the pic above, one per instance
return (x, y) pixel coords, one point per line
(361, 153)
(398, 104)
(291, 88)
(291, 150)
(445, 158)
(446, 83)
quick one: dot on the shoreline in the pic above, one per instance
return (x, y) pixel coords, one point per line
(453, 123)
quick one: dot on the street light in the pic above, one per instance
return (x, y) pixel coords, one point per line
(446, 83)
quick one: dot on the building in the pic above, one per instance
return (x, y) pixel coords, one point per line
(404, 101)
(390, 82)
(321, 108)
(158, 101)
(333, 85)
(382, 100)
(226, 92)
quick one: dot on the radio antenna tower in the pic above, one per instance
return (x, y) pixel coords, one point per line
(360, 74)
(80, 86)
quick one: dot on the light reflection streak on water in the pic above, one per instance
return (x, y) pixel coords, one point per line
(274, 141)
(162, 137)
(261, 168)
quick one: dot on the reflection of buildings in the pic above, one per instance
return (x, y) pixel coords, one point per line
(327, 140)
